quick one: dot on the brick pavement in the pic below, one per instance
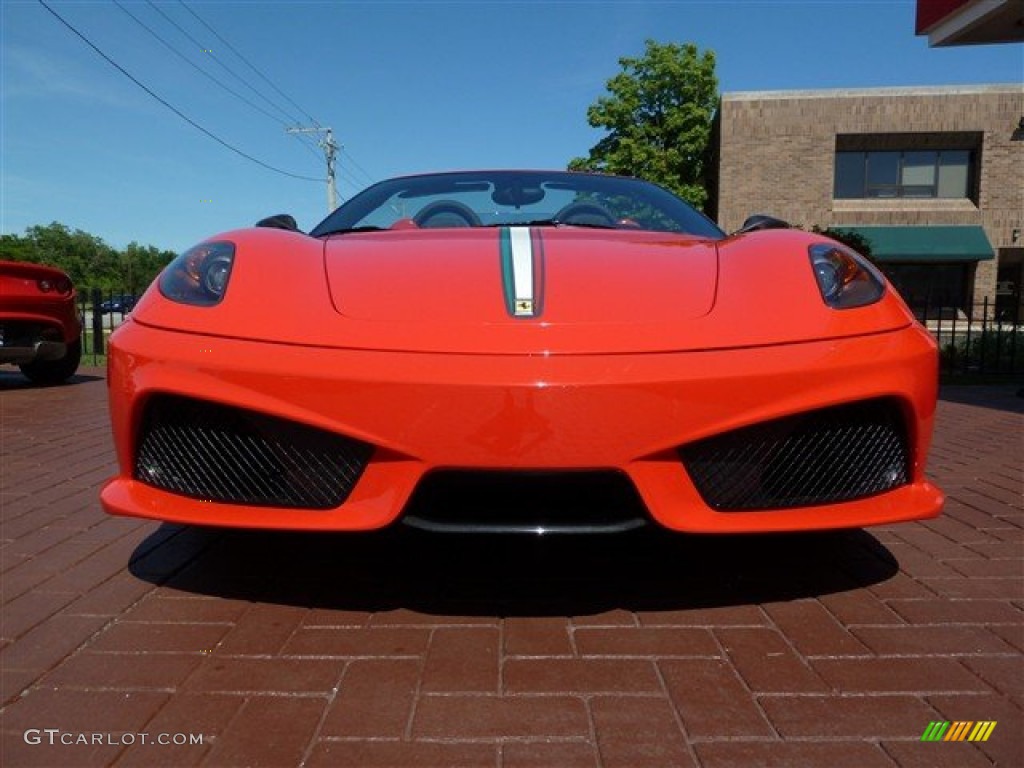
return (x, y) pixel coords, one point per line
(398, 649)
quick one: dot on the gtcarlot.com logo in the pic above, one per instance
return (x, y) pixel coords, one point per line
(959, 730)
(54, 736)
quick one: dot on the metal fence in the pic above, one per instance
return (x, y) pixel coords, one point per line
(101, 312)
(982, 339)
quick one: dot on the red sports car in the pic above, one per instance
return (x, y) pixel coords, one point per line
(40, 330)
(522, 351)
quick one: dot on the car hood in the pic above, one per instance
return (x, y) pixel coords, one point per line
(542, 288)
(457, 292)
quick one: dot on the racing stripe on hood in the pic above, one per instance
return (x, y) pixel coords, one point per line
(522, 270)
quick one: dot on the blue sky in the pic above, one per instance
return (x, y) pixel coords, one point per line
(406, 86)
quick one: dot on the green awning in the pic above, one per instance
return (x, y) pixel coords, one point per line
(924, 244)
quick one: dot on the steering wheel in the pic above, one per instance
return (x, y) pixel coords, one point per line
(446, 213)
(587, 213)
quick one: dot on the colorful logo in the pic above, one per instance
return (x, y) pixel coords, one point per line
(959, 730)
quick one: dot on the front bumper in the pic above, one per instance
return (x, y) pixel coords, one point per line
(426, 412)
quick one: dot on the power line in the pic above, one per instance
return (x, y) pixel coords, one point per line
(358, 167)
(220, 63)
(298, 134)
(303, 138)
(196, 67)
(306, 142)
(357, 183)
(248, 63)
(207, 75)
(174, 109)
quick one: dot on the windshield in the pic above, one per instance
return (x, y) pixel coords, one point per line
(506, 198)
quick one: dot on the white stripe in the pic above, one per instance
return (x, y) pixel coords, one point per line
(522, 267)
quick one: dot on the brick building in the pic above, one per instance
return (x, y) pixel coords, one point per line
(933, 177)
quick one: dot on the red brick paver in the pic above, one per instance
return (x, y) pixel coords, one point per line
(396, 649)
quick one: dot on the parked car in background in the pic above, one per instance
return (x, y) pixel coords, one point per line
(123, 304)
(40, 329)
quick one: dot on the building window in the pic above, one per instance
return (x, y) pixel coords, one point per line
(944, 173)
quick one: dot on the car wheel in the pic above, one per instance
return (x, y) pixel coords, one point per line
(47, 372)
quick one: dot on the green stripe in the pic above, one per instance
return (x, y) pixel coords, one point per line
(539, 271)
(934, 731)
(507, 278)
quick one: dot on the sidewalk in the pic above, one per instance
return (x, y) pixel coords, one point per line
(403, 649)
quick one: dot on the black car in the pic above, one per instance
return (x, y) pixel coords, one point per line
(122, 304)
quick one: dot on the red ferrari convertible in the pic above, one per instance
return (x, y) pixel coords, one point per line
(522, 351)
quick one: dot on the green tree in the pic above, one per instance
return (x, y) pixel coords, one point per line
(88, 260)
(140, 264)
(85, 257)
(851, 239)
(15, 248)
(658, 114)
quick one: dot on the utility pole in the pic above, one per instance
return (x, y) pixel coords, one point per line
(326, 143)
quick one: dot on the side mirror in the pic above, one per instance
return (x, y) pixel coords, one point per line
(761, 221)
(279, 221)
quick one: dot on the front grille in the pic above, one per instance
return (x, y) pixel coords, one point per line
(220, 453)
(479, 501)
(821, 457)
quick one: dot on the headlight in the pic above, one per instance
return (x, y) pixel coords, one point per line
(200, 275)
(844, 277)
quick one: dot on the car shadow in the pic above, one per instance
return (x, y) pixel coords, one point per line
(13, 379)
(477, 575)
(1001, 397)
